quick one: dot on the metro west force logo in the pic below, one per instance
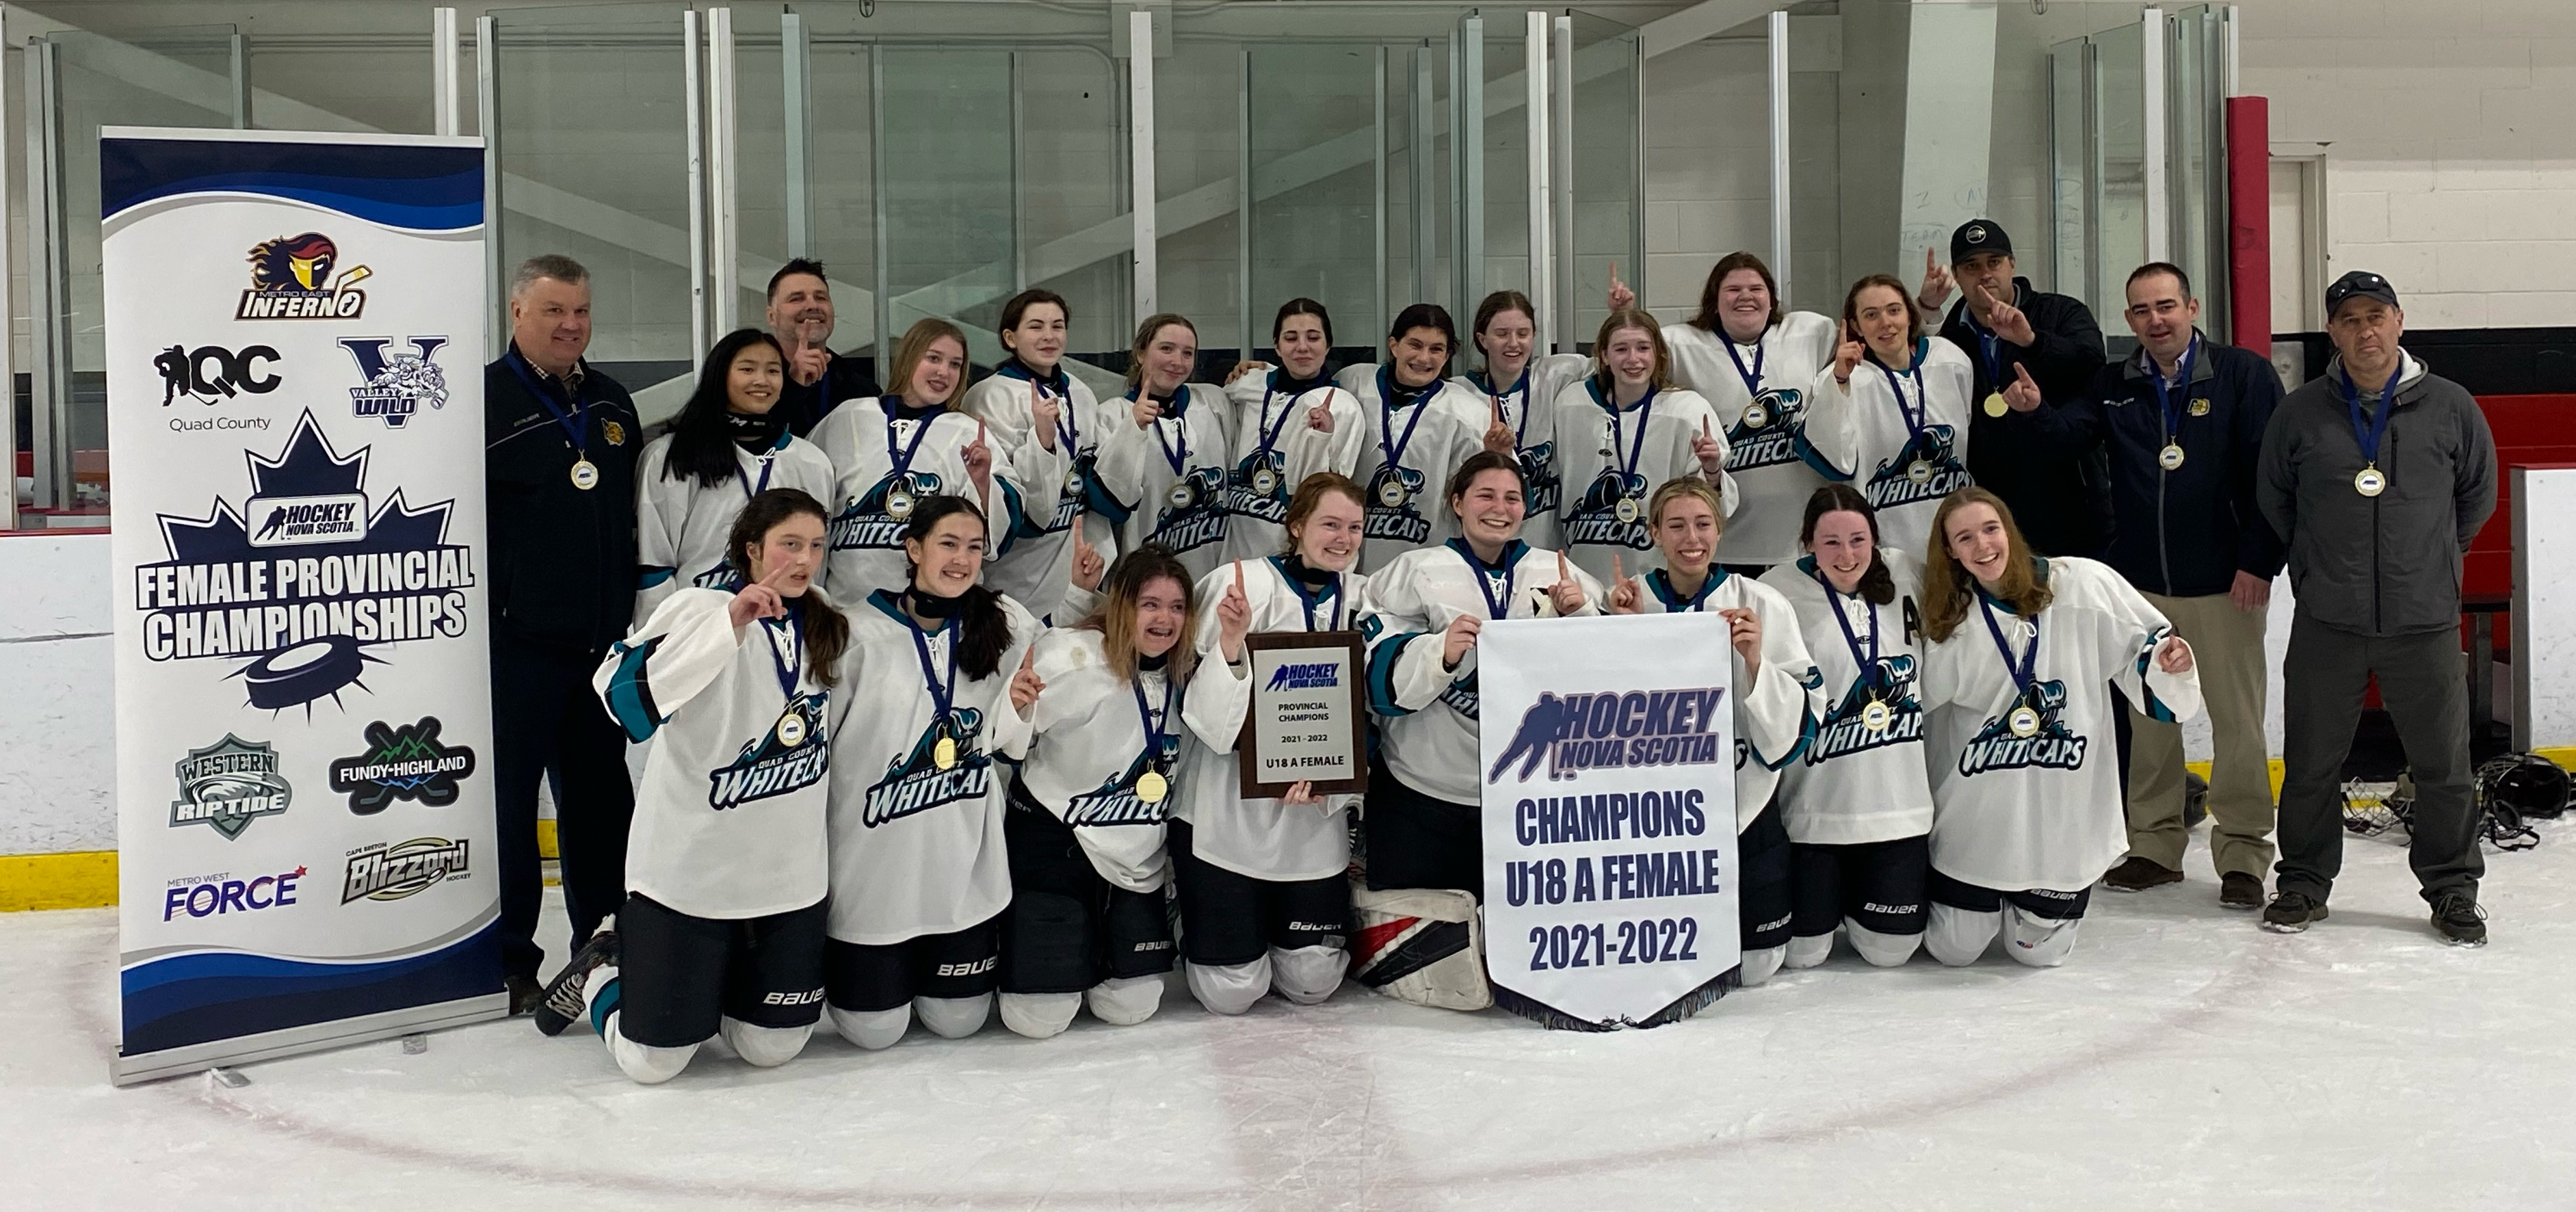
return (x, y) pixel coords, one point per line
(219, 894)
(914, 782)
(294, 278)
(396, 387)
(1634, 729)
(770, 766)
(303, 576)
(2053, 747)
(406, 763)
(228, 785)
(381, 872)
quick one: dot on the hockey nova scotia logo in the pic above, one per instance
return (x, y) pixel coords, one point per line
(406, 763)
(396, 386)
(772, 766)
(1633, 729)
(2052, 747)
(1770, 432)
(914, 781)
(299, 278)
(382, 872)
(1926, 470)
(1889, 680)
(228, 785)
(309, 571)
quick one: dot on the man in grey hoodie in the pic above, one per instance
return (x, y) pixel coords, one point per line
(2376, 476)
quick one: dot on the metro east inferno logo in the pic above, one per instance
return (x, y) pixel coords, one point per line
(292, 278)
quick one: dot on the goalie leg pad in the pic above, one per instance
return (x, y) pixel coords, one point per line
(1421, 945)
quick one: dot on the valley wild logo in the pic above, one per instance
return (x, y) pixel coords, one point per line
(299, 278)
(381, 872)
(228, 785)
(406, 763)
(396, 386)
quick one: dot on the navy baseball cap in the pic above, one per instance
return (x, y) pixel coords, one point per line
(1978, 236)
(2359, 284)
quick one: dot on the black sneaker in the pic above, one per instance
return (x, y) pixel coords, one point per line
(563, 1004)
(524, 993)
(2292, 912)
(2136, 874)
(2237, 890)
(2457, 916)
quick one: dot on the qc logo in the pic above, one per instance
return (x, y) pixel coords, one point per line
(208, 372)
(222, 893)
(382, 872)
(396, 386)
(406, 763)
(228, 785)
(299, 278)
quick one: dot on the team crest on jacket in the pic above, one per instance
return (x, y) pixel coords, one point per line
(1927, 469)
(1889, 681)
(2052, 747)
(794, 754)
(914, 782)
(1612, 513)
(1539, 479)
(874, 521)
(1192, 513)
(1782, 416)
(1394, 506)
(1258, 487)
(1115, 802)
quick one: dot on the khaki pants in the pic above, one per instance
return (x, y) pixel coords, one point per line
(2227, 649)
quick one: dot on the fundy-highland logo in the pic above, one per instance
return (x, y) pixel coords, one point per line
(1626, 729)
(405, 763)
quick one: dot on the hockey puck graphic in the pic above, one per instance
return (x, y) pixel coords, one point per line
(303, 673)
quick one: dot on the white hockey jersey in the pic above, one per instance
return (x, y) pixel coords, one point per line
(1427, 714)
(1767, 451)
(917, 847)
(1776, 720)
(2025, 779)
(729, 813)
(1039, 563)
(1407, 458)
(681, 525)
(1613, 459)
(1090, 750)
(872, 496)
(1527, 405)
(1275, 449)
(1901, 436)
(1266, 839)
(1165, 483)
(1856, 783)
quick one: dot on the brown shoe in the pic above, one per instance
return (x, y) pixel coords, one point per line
(2136, 874)
(2237, 890)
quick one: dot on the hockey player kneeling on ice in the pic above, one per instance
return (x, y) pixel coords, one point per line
(1265, 901)
(1778, 696)
(722, 929)
(1857, 804)
(2026, 796)
(1424, 818)
(1115, 702)
(920, 873)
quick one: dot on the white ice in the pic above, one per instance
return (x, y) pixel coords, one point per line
(2181, 1059)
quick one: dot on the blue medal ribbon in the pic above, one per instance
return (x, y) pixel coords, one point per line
(794, 630)
(1918, 411)
(1637, 445)
(1867, 658)
(1178, 458)
(2367, 434)
(899, 462)
(576, 424)
(943, 694)
(1154, 732)
(1752, 378)
(1497, 605)
(2170, 402)
(1387, 442)
(2024, 668)
(1269, 433)
(767, 461)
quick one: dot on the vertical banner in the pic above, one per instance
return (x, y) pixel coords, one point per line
(1609, 761)
(303, 703)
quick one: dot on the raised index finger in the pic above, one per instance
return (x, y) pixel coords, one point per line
(1238, 576)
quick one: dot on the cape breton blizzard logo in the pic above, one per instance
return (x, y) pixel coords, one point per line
(211, 374)
(228, 785)
(914, 782)
(406, 763)
(2053, 747)
(770, 766)
(382, 872)
(299, 278)
(307, 573)
(1633, 730)
(398, 385)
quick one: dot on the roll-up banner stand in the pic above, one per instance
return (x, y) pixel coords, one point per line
(303, 701)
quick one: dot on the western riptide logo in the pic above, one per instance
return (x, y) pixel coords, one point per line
(292, 278)
(396, 387)
(1633, 729)
(1927, 469)
(770, 766)
(382, 872)
(228, 785)
(914, 782)
(406, 763)
(2053, 747)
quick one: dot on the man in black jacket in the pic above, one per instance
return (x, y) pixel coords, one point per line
(559, 462)
(2377, 476)
(2061, 504)
(2181, 427)
(801, 316)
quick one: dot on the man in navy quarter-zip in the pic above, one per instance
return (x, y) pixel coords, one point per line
(560, 440)
(2181, 424)
(2377, 476)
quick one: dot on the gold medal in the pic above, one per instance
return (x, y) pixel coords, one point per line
(2370, 481)
(2170, 458)
(1392, 493)
(1995, 405)
(944, 754)
(1264, 481)
(1756, 416)
(1876, 717)
(1919, 471)
(1151, 787)
(1627, 509)
(1181, 495)
(1073, 483)
(2024, 722)
(898, 504)
(791, 730)
(585, 474)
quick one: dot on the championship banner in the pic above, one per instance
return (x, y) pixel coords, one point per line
(1610, 865)
(303, 703)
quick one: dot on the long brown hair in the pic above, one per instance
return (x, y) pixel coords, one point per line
(1494, 305)
(1115, 617)
(915, 346)
(1310, 494)
(1631, 317)
(1145, 334)
(827, 630)
(1851, 307)
(983, 627)
(1949, 589)
(1876, 586)
(1708, 319)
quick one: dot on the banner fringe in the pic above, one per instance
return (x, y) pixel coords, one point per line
(1681, 1008)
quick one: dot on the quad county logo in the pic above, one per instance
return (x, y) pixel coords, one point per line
(310, 571)
(406, 763)
(382, 872)
(212, 374)
(1632, 730)
(222, 893)
(228, 785)
(299, 278)
(396, 386)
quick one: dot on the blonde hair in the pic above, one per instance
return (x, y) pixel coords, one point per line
(1145, 334)
(1115, 617)
(1685, 486)
(915, 346)
(1949, 589)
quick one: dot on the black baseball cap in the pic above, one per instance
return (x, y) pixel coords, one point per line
(2359, 284)
(1978, 236)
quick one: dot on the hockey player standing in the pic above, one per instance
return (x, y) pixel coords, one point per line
(729, 444)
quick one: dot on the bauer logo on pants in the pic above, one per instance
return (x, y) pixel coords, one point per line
(391, 872)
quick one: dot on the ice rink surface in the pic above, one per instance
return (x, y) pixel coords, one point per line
(2182, 1059)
